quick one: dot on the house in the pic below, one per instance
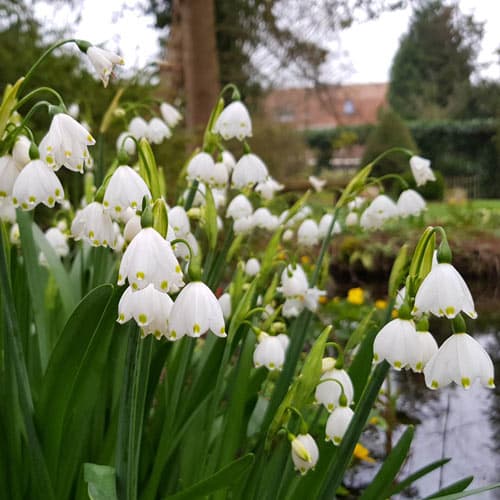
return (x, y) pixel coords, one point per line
(326, 106)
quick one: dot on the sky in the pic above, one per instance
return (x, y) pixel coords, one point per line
(369, 47)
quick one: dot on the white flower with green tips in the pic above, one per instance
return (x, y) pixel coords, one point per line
(157, 131)
(37, 183)
(170, 114)
(324, 225)
(239, 207)
(94, 225)
(337, 424)
(269, 352)
(195, 311)
(460, 359)
(149, 307)
(103, 61)
(421, 170)
(293, 282)
(233, 122)
(444, 293)
(138, 127)
(410, 203)
(308, 233)
(268, 188)
(125, 189)
(200, 167)
(380, 209)
(149, 258)
(66, 144)
(7, 210)
(252, 267)
(8, 175)
(249, 170)
(424, 348)
(397, 343)
(305, 453)
(179, 220)
(329, 390)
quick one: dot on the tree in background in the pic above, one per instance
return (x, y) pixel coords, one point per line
(431, 71)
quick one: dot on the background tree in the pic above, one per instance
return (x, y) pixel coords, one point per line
(431, 71)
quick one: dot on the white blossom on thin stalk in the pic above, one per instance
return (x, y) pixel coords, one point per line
(324, 225)
(58, 241)
(21, 151)
(337, 424)
(410, 203)
(170, 114)
(328, 391)
(308, 233)
(264, 219)
(228, 160)
(7, 210)
(195, 311)
(425, 347)
(233, 122)
(252, 267)
(126, 142)
(249, 170)
(444, 293)
(461, 359)
(380, 209)
(138, 127)
(225, 304)
(157, 131)
(421, 170)
(305, 453)
(238, 207)
(66, 144)
(293, 282)
(93, 224)
(37, 183)
(125, 189)
(268, 188)
(150, 259)
(8, 175)
(269, 352)
(103, 61)
(200, 167)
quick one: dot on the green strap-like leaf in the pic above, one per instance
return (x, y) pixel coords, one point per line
(470, 493)
(224, 478)
(453, 489)
(101, 480)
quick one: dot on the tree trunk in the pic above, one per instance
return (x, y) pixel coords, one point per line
(199, 60)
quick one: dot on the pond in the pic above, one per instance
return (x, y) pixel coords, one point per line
(463, 425)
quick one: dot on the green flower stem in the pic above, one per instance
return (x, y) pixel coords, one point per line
(324, 247)
(191, 194)
(37, 91)
(42, 58)
(131, 417)
(392, 150)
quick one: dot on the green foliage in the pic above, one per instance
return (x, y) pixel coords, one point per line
(390, 132)
(431, 71)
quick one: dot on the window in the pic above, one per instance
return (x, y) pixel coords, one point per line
(349, 108)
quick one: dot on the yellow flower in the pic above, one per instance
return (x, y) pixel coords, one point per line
(380, 304)
(322, 299)
(362, 453)
(356, 296)
(305, 259)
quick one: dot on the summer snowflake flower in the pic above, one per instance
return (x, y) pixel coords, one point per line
(269, 352)
(328, 391)
(228, 160)
(380, 209)
(337, 424)
(396, 342)
(103, 61)
(317, 183)
(138, 127)
(249, 170)
(195, 311)
(461, 359)
(308, 233)
(94, 225)
(125, 189)
(410, 203)
(150, 259)
(352, 219)
(149, 307)
(268, 188)
(65, 144)
(7, 210)
(293, 282)
(225, 304)
(157, 131)
(21, 151)
(217, 176)
(444, 293)
(57, 241)
(179, 220)
(37, 183)
(324, 225)
(421, 170)
(305, 453)
(234, 122)
(239, 207)
(169, 114)
(200, 167)
(8, 175)
(243, 225)
(252, 267)
(264, 219)
(425, 347)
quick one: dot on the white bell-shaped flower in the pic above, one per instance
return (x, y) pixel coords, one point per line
(252, 267)
(195, 311)
(269, 352)
(284, 340)
(268, 188)
(317, 183)
(460, 359)
(58, 241)
(351, 219)
(328, 391)
(225, 304)
(233, 122)
(444, 293)
(410, 203)
(311, 298)
(125, 189)
(150, 259)
(138, 127)
(8, 175)
(220, 200)
(337, 424)
(243, 225)
(293, 282)
(149, 307)
(157, 131)
(292, 307)
(305, 453)
(287, 235)
(228, 160)
(324, 225)
(179, 220)
(132, 228)
(170, 114)
(103, 61)
(421, 170)
(217, 176)
(308, 233)
(396, 342)
(181, 249)
(425, 347)
(249, 170)
(238, 207)
(200, 167)
(37, 183)
(264, 219)
(66, 144)
(126, 142)
(380, 209)
(21, 151)
(7, 210)
(93, 224)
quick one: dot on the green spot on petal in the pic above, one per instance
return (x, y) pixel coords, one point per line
(465, 382)
(142, 318)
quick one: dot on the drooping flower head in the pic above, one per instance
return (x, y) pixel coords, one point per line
(94, 225)
(337, 424)
(234, 122)
(410, 203)
(305, 453)
(169, 114)
(103, 61)
(249, 170)
(421, 170)
(269, 352)
(332, 383)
